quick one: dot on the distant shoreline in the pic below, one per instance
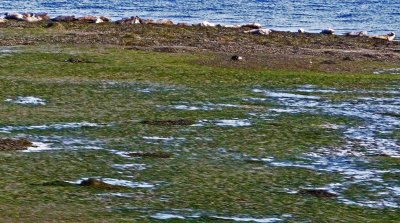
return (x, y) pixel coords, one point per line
(115, 20)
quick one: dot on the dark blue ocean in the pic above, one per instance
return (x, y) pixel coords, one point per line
(374, 16)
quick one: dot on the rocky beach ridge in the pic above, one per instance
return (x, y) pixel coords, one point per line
(256, 28)
(255, 45)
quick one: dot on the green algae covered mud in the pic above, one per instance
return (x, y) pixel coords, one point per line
(112, 123)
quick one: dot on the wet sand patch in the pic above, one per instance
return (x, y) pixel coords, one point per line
(393, 71)
(233, 123)
(130, 166)
(54, 142)
(236, 122)
(355, 172)
(8, 50)
(371, 134)
(206, 217)
(29, 100)
(58, 126)
(206, 106)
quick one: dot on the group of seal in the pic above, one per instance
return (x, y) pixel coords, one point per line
(389, 37)
(255, 28)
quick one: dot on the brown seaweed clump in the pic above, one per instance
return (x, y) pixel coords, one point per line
(99, 184)
(157, 154)
(318, 193)
(91, 183)
(168, 122)
(14, 144)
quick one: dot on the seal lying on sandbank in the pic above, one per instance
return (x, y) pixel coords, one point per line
(360, 33)
(131, 20)
(64, 18)
(328, 31)
(27, 17)
(205, 24)
(166, 22)
(259, 31)
(390, 36)
(93, 19)
(253, 25)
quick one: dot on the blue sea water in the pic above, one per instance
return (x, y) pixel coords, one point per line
(374, 16)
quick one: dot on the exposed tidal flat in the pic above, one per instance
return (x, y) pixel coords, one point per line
(153, 123)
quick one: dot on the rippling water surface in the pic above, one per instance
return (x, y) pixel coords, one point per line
(375, 16)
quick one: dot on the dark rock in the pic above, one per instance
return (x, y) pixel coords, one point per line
(236, 58)
(74, 60)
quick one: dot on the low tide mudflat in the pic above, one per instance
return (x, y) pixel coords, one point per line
(304, 129)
